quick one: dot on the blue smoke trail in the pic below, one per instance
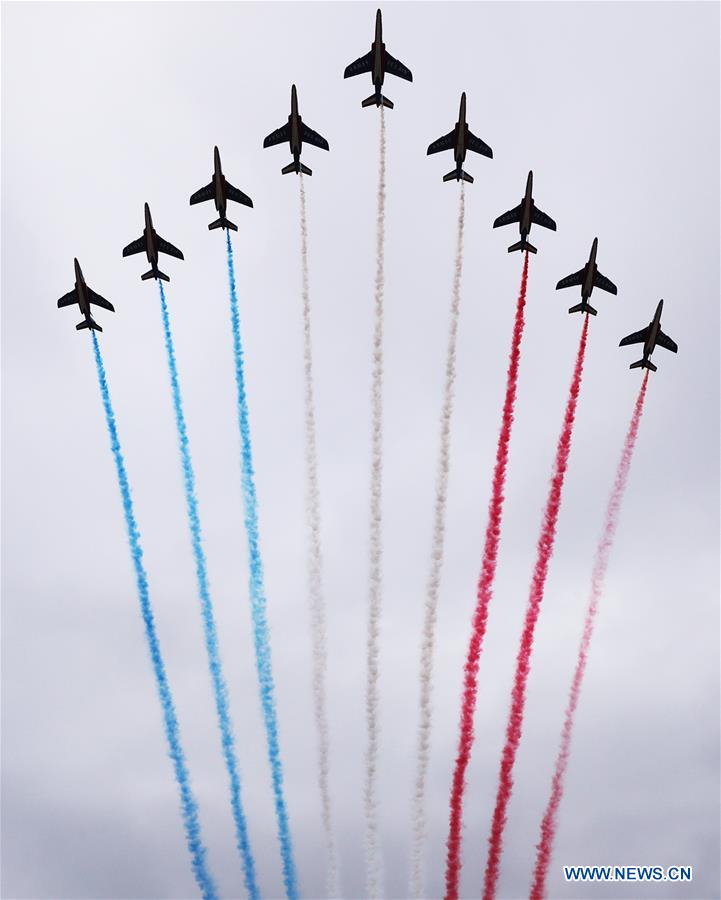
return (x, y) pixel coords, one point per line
(257, 596)
(211, 638)
(188, 805)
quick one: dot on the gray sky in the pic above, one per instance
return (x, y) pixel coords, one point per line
(615, 106)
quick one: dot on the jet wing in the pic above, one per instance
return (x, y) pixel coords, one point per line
(395, 67)
(476, 144)
(540, 218)
(279, 136)
(205, 193)
(95, 298)
(513, 215)
(638, 337)
(605, 284)
(166, 247)
(663, 340)
(572, 280)
(308, 136)
(134, 247)
(360, 66)
(68, 299)
(447, 142)
(232, 193)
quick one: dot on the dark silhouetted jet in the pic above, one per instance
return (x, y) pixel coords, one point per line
(152, 244)
(295, 131)
(220, 190)
(84, 296)
(651, 337)
(459, 141)
(378, 62)
(588, 278)
(526, 214)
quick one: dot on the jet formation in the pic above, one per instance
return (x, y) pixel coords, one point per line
(588, 277)
(651, 337)
(378, 62)
(152, 244)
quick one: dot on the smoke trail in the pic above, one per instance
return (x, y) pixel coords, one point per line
(373, 865)
(189, 808)
(523, 660)
(261, 635)
(431, 605)
(211, 638)
(315, 588)
(484, 593)
(550, 818)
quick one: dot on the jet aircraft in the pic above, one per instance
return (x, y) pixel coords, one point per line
(152, 244)
(588, 277)
(460, 140)
(526, 214)
(220, 190)
(84, 296)
(651, 337)
(295, 131)
(378, 62)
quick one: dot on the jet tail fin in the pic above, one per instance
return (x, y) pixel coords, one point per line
(583, 307)
(377, 100)
(643, 364)
(522, 245)
(88, 323)
(222, 222)
(454, 175)
(155, 273)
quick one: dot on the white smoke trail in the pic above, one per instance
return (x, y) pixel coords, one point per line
(431, 605)
(373, 865)
(315, 588)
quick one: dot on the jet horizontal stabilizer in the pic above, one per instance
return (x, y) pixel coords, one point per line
(522, 245)
(454, 175)
(222, 223)
(296, 167)
(373, 100)
(88, 323)
(643, 364)
(155, 273)
(583, 307)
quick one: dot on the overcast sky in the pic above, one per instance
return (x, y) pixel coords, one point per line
(615, 107)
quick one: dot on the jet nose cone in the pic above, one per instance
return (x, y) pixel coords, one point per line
(595, 244)
(147, 209)
(463, 97)
(660, 305)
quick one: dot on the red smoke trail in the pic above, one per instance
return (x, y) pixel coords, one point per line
(483, 594)
(523, 660)
(550, 818)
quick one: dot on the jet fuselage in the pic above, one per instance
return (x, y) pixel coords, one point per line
(220, 199)
(587, 286)
(459, 151)
(378, 49)
(82, 291)
(527, 208)
(151, 245)
(655, 327)
(295, 121)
